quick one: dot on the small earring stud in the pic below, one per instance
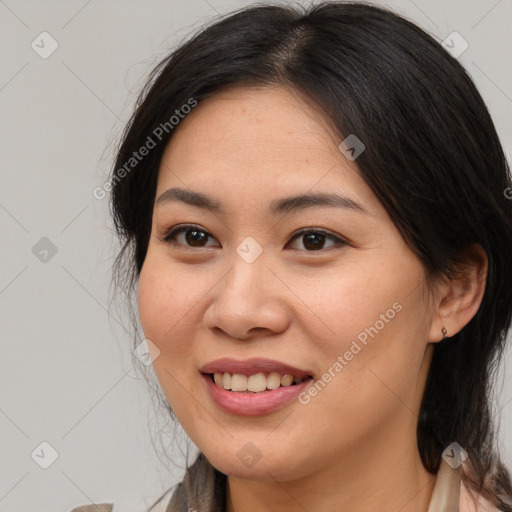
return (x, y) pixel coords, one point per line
(445, 332)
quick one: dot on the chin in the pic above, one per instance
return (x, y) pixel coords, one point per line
(264, 469)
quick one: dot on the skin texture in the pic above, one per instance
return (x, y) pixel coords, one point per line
(353, 446)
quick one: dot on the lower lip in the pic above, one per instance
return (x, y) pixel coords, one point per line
(251, 404)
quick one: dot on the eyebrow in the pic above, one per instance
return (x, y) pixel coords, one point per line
(278, 206)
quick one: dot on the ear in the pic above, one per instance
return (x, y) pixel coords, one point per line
(459, 298)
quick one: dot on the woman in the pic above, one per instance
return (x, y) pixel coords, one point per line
(313, 212)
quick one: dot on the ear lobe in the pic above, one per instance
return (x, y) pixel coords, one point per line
(462, 295)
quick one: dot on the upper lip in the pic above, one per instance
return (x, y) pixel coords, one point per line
(252, 366)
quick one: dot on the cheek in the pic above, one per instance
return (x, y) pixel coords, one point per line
(377, 302)
(354, 306)
(376, 327)
(166, 301)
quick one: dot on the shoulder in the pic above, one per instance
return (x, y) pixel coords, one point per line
(470, 501)
(159, 506)
(94, 507)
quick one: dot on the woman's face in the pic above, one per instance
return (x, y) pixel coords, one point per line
(347, 306)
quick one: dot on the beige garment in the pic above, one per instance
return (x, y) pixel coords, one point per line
(98, 507)
(449, 495)
(446, 493)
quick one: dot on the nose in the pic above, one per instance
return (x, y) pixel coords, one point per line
(248, 302)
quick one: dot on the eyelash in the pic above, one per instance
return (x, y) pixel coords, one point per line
(174, 231)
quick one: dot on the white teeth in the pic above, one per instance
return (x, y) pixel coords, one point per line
(257, 382)
(273, 380)
(238, 382)
(254, 383)
(286, 380)
(226, 380)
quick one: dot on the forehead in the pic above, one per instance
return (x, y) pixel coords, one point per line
(257, 141)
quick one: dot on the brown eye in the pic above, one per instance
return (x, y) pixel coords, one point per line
(193, 236)
(314, 240)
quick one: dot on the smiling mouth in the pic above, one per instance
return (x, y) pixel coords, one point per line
(254, 384)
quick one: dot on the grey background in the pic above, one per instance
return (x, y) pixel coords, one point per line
(66, 373)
